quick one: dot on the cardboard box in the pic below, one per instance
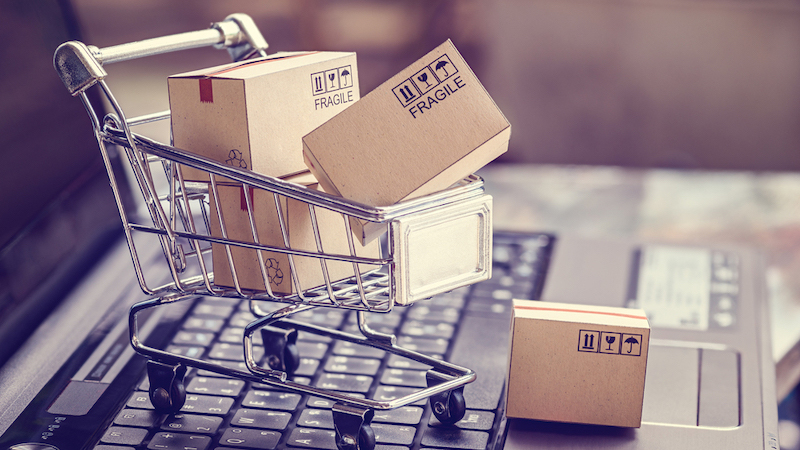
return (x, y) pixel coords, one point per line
(301, 237)
(253, 114)
(420, 132)
(578, 364)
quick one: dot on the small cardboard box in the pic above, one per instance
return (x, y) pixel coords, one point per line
(577, 364)
(301, 237)
(253, 114)
(420, 132)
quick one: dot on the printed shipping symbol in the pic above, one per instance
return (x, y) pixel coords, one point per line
(631, 340)
(318, 86)
(406, 92)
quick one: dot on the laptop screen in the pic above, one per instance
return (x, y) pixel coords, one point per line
(57, 210)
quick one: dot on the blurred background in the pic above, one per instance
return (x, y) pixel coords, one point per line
(702, 84)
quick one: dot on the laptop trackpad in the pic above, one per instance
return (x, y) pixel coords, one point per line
(691, 386)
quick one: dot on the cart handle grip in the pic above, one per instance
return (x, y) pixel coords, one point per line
(81, 66)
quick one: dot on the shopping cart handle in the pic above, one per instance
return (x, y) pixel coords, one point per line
(81, 66)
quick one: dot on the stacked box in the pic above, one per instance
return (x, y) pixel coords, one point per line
(253, 114)
(577, 364)
(308, 270)
(421, 131)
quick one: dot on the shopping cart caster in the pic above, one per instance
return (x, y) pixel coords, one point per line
(449, 407)
(167, 391)
(280, 349)
(353, 431)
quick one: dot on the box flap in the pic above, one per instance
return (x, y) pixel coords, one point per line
(601, 315)
(256, 67)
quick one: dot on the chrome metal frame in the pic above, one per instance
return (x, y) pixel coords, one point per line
(179, 219)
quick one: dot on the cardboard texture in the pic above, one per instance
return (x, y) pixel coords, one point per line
(420, 132)
(301, 237)
(253, 114)
(577, 364)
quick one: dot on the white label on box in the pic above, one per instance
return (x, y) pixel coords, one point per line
(674, 286)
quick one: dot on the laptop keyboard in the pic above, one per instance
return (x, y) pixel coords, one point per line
(468, 326)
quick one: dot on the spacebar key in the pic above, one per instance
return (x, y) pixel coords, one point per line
(482, 345)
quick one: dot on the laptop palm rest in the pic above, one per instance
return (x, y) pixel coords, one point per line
(692, 387)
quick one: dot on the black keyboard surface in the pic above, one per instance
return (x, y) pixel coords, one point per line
(468, 327)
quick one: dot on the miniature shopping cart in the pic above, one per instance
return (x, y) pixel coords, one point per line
(432, 245)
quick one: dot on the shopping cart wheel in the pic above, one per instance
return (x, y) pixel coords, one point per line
(167, 391)
(353, 431)
(449, 406)
(280, 349)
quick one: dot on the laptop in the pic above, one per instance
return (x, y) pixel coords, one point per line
(70, 378)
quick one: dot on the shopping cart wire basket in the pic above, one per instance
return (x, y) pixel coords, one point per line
(432, 244)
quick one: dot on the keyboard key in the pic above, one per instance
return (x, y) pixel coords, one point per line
(207, 404)
(449, 437)
(344, 382)
(327, 317)
(324, 403)
(387, 320)
(209, 325)
(402, 377)
(238, 365)
(399, 362)
(482, 346)
(307, 368)
(394, 434)
(201, 404)
(192, 351)
(227, 387)
(233, 352)
(313, 350)
(235, 335)
(429, 313)
(316, 418)
(250, 438)
(312, 438)
(145, 418)
(192, 423)
(263, 419)
(354, 366)
(389, 393)
(345, 348)
(195, 338)
(427, 329)
(179, 441)
(404, 415)
(473, 420)
(424, 345)
(282, 401)
(206, 309)
(124, 436)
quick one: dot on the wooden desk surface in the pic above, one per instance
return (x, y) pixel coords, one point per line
(758, 209)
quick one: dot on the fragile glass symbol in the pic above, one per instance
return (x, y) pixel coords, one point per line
(332, 77)
(610, 340)
(424, 78)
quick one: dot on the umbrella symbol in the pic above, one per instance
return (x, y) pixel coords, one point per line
(631, 340)
(440, 66)
(345, 73)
